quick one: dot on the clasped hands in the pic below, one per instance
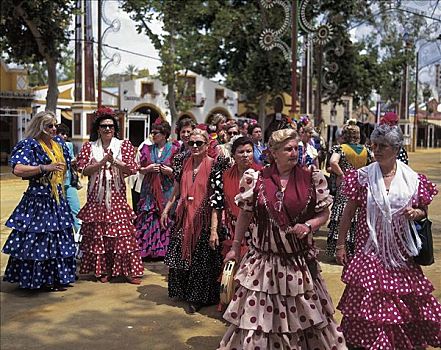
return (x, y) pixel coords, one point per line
(299, 230)
(156, 168)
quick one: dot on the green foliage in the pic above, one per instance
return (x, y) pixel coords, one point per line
(50, 17)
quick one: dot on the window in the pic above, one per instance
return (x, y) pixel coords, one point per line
(146, 88)
(77, 123)
(219, 95)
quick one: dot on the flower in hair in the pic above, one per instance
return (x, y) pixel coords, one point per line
(201, 127)
(103, 111)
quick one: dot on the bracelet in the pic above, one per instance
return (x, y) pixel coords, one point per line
(42, 171)
(236, 241)
(309, 226)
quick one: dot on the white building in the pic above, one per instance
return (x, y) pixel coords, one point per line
(144, 100)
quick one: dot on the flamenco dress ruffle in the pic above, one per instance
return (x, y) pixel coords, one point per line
(41, 245)
(388, 309)
(109, 246)
(152, 240)
(279, 306)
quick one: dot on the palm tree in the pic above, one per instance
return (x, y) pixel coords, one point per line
(131, 71)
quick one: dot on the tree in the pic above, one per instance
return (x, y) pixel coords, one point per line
(131, 71)
(183, 22)
(35, 32)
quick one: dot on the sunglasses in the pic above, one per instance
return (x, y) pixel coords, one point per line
(196, 143)
(50, 126)
(107, 126)
(156, 132)
(233, 133)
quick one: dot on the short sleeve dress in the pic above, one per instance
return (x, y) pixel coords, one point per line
(279, 303)
(41, 245)
(387, 308)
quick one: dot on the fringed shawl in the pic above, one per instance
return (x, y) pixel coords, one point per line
(385, 213)
(190, 203)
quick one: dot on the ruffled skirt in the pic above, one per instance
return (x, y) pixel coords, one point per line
(109, 245)
(152, 239)
(41, 245)
(279, 305)
(388, 309)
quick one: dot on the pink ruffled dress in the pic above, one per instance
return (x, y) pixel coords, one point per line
(382, 308)
(279, 304)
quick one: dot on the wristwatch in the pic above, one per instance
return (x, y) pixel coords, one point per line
(309, 226)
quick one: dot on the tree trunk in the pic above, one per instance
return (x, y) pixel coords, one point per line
(262, 112)
(52, 91)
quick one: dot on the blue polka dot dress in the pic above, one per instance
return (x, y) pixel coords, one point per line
(41, 245)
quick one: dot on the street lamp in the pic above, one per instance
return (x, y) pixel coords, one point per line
(415, 118)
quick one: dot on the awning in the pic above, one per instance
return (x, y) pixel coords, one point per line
(67, 114)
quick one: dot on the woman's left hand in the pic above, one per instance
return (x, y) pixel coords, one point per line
(412, 213)
(166, 170)
(300, 230)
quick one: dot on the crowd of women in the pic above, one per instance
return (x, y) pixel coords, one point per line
(220, 194)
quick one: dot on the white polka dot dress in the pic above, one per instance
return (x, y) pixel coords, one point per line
(109, 237)
(41, 245)
(387, 308)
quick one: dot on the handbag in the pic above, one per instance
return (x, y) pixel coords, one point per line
(75, 180)
(424, 231)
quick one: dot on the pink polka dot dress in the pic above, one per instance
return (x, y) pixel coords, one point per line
(387, 308)
(279, 302)
(109, 245)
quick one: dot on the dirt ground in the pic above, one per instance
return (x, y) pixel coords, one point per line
(118, 315)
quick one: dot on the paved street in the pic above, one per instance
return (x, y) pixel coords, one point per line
(117, 315)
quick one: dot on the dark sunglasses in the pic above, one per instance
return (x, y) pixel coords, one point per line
(107, 126)
(155, 132)
(197, 143)
(50, 126)
(233, 133)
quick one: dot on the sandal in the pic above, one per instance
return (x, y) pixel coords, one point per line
(133, 280)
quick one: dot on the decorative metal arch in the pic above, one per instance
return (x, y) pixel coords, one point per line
(112, 26)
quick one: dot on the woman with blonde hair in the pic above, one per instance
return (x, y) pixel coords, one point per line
(281, 301)
(194, 267)
(41, 245)
(348, 156)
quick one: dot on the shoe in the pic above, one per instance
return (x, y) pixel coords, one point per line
(55, 288)
(133, 280)
(103, 278)
(192, 308)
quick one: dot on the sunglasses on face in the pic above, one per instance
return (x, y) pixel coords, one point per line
(155, 132)
(233, 133)
(50, 126)
(196, 143)
(107, 126)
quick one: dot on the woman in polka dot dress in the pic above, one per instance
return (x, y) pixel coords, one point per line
(387, 303)
(343, 158)
(41, 245)
(281, 301)
(194, 267)
(157, 187)
(109, 244)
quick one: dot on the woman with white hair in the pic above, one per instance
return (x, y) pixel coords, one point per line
(41, 245)
(387, 302)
